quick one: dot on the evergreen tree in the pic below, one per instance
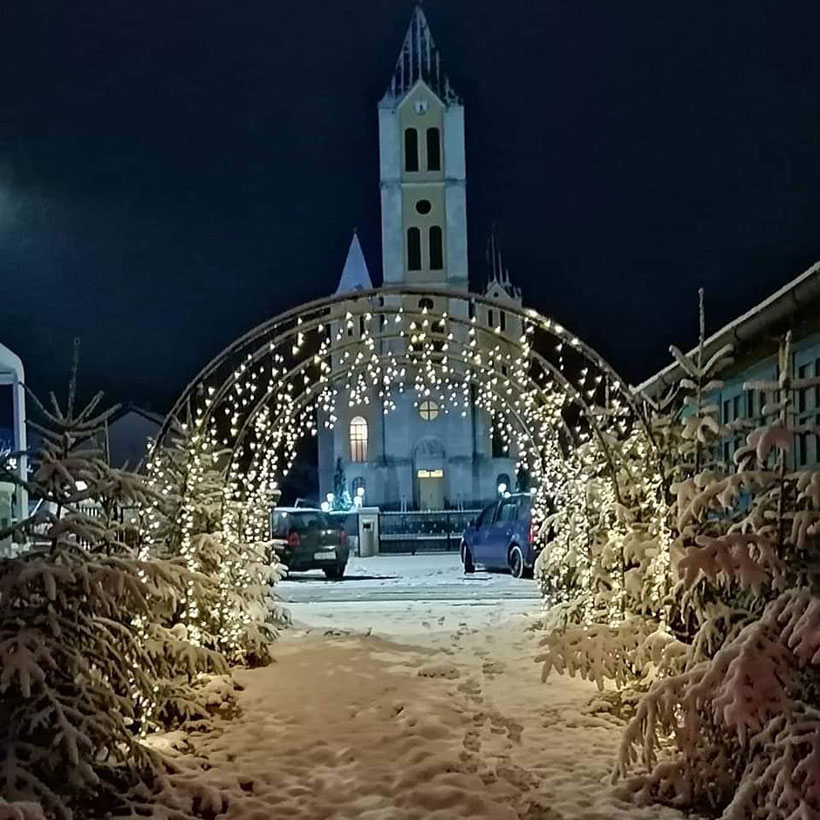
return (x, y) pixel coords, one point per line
(193, 517)
(86, 667)
(743, 708)
(341, 495)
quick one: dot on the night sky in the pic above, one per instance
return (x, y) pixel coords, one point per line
(173, 173)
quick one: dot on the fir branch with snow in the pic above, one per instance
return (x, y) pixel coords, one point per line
(84, 673)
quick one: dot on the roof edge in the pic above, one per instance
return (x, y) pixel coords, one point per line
(746, 326)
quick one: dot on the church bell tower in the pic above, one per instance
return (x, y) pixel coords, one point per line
(423, 173)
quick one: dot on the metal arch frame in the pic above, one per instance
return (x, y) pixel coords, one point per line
(295, 314)
(265, 349)
(272, 336)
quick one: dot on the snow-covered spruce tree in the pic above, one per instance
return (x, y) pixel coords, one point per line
(621, 623)
(605, 573)
(194, 516)
(737, 730)
(82, 659)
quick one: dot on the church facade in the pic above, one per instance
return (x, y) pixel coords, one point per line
(423, 453)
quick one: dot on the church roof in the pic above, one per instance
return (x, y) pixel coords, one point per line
(419, 60)
(355, 275)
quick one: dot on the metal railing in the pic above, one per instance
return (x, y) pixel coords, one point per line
(423, 531)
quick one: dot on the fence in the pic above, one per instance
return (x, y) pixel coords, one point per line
(423, 531)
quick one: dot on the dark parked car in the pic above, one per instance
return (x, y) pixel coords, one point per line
(501, 537)
(309, 539)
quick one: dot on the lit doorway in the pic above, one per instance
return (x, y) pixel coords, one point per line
(431, 489)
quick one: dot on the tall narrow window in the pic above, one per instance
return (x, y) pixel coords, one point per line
(436, 251)
(358, 439)
(413, 249)
(502, 318)
(433, 149)
(411, 149)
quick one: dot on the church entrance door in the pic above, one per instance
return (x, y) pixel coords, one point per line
(431, 489)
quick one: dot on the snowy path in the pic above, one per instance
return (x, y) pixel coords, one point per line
(438, 712)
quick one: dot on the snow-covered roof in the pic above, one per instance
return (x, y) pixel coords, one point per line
(355, 275)
(419, 59)
(747, 326)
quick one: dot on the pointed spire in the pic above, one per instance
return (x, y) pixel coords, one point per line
(419, 60)
(495, 264)
(355, 275)
(497, 272)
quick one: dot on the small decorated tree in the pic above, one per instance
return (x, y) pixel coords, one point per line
(341, 494)
(194, 517)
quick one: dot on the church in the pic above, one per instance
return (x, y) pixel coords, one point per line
(421, 455)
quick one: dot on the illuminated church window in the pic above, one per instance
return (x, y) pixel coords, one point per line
(358, 439)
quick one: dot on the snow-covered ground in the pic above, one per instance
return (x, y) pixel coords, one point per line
(404, 708)
(428, 576)
(405, 594)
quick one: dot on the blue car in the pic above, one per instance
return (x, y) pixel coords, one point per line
(501, 537)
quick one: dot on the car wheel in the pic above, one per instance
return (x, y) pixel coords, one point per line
(335, 573)
(515, 560)
(467, 559)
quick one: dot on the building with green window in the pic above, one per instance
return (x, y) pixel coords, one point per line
(756, 337)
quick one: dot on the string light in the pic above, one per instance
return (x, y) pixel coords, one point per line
(303, 376)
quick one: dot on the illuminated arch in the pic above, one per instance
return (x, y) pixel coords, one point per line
(553, 395)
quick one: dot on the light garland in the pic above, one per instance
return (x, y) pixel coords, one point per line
(559, 413)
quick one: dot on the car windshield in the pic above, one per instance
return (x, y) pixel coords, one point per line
(509, 510)
(285, 522)
(486, 515)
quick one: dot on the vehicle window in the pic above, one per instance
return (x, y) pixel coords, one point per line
(508, 511)
(524, 507)
(301, 522)
(286, 522)
(486, 516)
(281, 525)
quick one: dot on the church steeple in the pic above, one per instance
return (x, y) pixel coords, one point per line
(423, 174)
(355, 275)
(419, 59)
